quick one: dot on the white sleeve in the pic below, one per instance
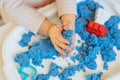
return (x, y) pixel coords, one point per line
(24, 14)
(66, 7)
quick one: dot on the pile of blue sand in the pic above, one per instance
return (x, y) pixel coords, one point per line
(94, 76)
(89, 50)
(68, 72)
(54, 71)
(42, 49)
(64, 75)
(38, 51)
(26, 38)
(23, 59)
(93, 44)
(87, 56)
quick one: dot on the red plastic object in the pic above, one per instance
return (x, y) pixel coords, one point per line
(97, 29)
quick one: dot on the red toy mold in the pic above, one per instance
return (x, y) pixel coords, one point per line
(97, 29)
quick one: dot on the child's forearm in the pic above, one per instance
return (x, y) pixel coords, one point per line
(23, 14)
(44, 28)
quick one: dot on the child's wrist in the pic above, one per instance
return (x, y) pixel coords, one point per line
(50, 29)
(45, 27)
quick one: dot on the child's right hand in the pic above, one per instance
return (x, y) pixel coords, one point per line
(60, 43)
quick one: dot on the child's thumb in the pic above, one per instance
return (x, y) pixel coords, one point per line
(67, 27)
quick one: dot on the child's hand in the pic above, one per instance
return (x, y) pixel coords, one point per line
(55, 34)
(68, 25)
(68, 21)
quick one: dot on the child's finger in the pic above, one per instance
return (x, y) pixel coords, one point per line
(59, 50)
(63, 46)
(68, 27)
(63, 56)
(62, 40)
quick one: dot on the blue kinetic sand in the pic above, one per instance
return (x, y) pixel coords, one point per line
(68, 35)
(38, 51)
(26, 38)
(54, 71)
(67, 72)
(94, 76)
(105, 67)
(23, 59)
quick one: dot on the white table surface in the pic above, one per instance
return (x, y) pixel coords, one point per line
(4, 30)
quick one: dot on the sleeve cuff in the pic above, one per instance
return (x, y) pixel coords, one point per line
(66, 7)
